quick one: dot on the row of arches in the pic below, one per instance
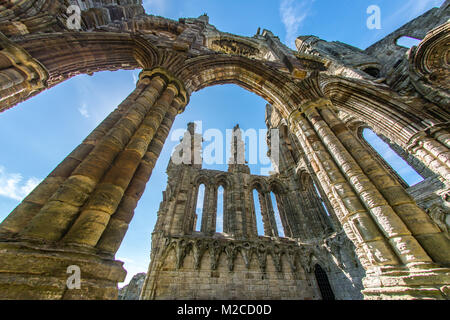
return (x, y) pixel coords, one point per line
(270, 212)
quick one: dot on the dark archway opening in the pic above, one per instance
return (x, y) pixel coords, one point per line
(372, 71)
(324, 284)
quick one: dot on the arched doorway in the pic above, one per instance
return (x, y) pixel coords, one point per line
(323, 283)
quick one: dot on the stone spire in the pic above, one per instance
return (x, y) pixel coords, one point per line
(237, 162)
(189, 151)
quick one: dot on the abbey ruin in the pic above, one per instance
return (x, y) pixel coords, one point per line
(353, 229)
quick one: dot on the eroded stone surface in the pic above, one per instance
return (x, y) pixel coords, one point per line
(378, 239)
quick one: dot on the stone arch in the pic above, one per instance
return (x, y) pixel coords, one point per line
(258, 183)
(429, 66)
(250, 74)
(112, 175)
(70, 54)
(202, 179)
(323, 283)
(277, 186)
(222, 180)
(378, 107)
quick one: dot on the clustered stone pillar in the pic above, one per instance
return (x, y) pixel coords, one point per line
(118, 224)
(432, 148)
(389, 230)
(89, 199)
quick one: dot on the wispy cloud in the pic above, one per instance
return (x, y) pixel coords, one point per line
(13, 185)
(84, 110)
(293, 14)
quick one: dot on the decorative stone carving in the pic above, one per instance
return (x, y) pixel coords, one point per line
(232, 46)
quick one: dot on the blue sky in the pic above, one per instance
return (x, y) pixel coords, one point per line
(39, 133)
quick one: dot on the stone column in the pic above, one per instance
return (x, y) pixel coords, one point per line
(33, 203)
(382, 239)
(252, 229)
(269, 213)
(118, 224)
(209, 209)
(415, 219)
(287, 220)
(82, 210)
(433, 151)
(265, 214)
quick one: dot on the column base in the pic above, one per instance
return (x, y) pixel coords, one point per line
(408, 284)
(40, 272)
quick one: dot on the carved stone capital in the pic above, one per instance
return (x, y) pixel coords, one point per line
(170, 79)
(306, 107)
(34, 75)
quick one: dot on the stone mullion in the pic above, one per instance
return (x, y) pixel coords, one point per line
(265, 215)
(213, 211)
(291, 217)
(286, 220)
(33, 203)
(324, 194)
(415, 219)
(253, 229)
(317, 210)
(393, 228)
(194, 209)
(240, 221)
(310, 214)
(104, 201)
(118, 224)
(63, 206)
(249, 223)
(372, 247)
(333, 202)
(226, 211)
(297, 208)
(204, 224)
(209, 210)
(271, 214)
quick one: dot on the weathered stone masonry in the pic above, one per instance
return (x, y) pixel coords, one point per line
(237, 263)
(379, 240)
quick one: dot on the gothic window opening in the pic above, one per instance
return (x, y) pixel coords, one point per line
(400, 166)
(258, 213)
(199, 207)
(220, 209)
(323, 283)
(321, 199)
(277, 215)
(372, 71)
(407, 42)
